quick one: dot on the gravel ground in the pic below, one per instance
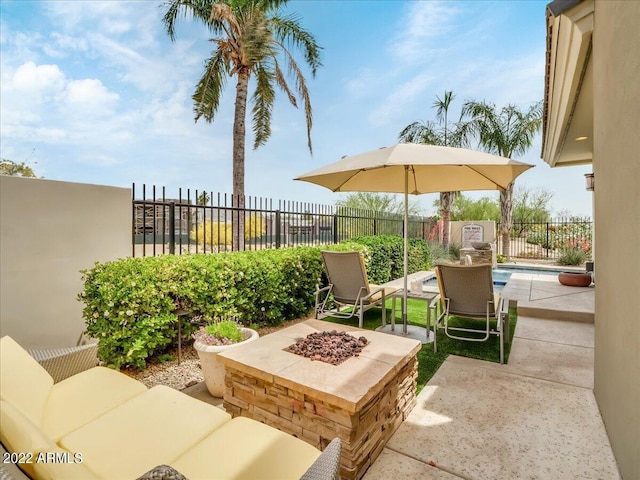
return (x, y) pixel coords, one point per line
(172, 374)
(188, 372)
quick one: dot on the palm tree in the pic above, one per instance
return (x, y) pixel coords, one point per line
(437, 134)
(251, 39)
(505, 132)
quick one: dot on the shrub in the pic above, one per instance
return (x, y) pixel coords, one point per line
(129, 302)
(221, 233)
(385, 259)
(500, 258)
(572, 256)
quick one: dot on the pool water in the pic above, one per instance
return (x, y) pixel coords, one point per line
(501, 276)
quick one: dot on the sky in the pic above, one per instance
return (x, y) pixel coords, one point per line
(96, 92)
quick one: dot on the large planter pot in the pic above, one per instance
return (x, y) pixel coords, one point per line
(575, 279)
(212, 369)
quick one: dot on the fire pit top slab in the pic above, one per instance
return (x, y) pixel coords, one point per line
(348, 385)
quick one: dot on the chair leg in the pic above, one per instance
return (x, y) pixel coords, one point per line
(501, 333)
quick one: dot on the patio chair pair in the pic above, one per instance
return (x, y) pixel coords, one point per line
(349, 293)
(467, 291)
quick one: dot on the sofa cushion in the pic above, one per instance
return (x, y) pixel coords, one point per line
(57, 464)
(85, 396)
(23, 382)
(20, 435)
(247, 449)
(151, 429)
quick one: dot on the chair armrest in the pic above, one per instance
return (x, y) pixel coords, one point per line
(433, 308)
(62, 363)
(434, 301)
(327, 465)
(503, 316)
(162, 472)
(321, 303)
(323, 289)
(372, 292)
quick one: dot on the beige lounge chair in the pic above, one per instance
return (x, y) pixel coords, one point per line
(467, 291)
(350, 288)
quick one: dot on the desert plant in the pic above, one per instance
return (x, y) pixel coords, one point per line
(572, 256)
(219, 333)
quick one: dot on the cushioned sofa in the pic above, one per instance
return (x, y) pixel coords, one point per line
(102, 424)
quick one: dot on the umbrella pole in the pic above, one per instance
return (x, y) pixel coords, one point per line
(406, 248)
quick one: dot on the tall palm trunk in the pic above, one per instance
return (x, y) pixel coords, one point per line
(446, 200)
(239, 133)
(506, 210)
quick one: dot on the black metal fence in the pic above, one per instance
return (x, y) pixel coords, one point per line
(204, 222)
(548, 240)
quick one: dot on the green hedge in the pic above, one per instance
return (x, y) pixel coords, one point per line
(128, 303)
(385, 259)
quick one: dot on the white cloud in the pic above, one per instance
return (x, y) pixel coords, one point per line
(31, 79)
(395, 104)
(420, 27)
(90, 95)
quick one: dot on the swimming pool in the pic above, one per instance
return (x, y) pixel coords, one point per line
(502, 274)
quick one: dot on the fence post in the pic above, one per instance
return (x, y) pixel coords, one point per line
(133, 220)
(547, 241)
(335, 229)
(172, 228)
(278, 230)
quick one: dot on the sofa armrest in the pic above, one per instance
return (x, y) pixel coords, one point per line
(162, 472)
(62, 363)
(327, 465)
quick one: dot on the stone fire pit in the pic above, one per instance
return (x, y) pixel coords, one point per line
(332, 347)
(362, 400)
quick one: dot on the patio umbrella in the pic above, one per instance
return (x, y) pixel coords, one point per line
(412, 168)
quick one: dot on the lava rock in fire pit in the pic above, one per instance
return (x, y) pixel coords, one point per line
(330, 347)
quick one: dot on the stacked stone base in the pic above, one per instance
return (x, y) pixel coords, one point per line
(364, 432)
(478, 257)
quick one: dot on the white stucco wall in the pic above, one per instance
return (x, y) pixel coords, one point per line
(616, 165)
(49, 231)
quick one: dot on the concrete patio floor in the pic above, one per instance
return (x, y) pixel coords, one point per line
(534, 418)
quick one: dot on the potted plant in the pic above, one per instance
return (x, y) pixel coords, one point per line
(215, 338)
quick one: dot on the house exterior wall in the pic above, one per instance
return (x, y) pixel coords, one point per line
(616, 165)
(49, 231)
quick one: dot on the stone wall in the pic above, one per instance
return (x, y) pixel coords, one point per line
(317, 421)
(478, 257)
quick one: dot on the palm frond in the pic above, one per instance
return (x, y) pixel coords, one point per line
(301, 88)
(197, 9)
(208, 91)
(262, 100)
(287, 30)
(282, 83)
(421, 132)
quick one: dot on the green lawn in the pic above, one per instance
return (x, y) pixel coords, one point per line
(428, 361)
